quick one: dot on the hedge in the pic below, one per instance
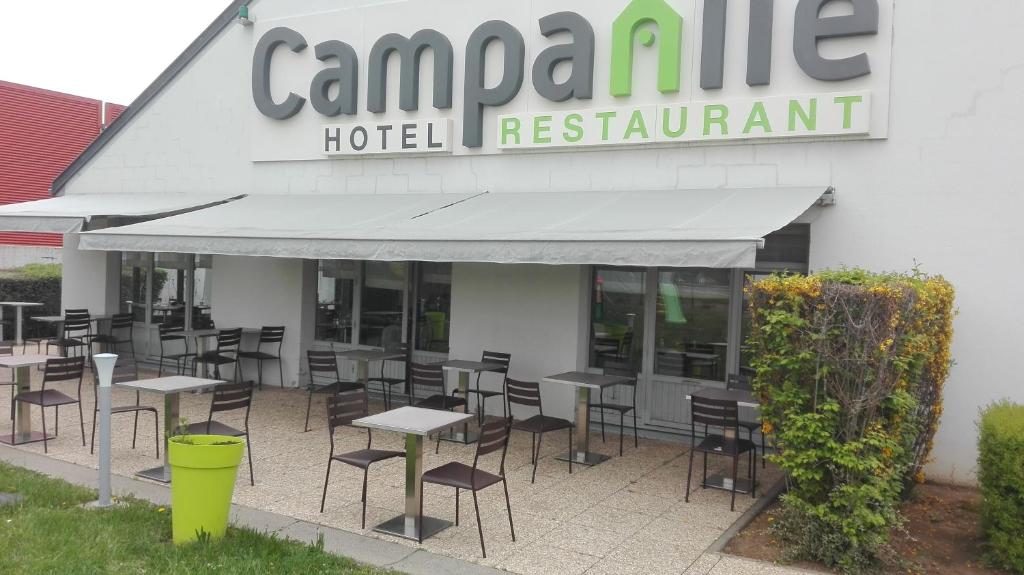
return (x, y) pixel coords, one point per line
(849, 369)
(32, 283)
(1001, 475)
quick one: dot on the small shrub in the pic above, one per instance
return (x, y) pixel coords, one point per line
(1001, 474)
(33, 283)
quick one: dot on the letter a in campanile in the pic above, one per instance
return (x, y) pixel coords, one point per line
(627, 28)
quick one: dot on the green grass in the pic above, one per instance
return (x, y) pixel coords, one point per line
(50, 533)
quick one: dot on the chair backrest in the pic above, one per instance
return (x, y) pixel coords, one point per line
(121, 321)
(63, 369)
(171, 332)
(493, 436)
(344, 408)
(6, 348)
(125, 370)
(671, 364)
(322, 364)
(228, 339)
(714, 412)
(497, 357)
(76, 320)
(426, 375)
(232, 396)
(526, 393)
(271, 334)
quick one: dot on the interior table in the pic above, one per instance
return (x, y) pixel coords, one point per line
(22, 365)
(464, 369)
(584, 382)
(416, 423)
(363, 357)
(18, 307)
(171, 388)
(743, 398)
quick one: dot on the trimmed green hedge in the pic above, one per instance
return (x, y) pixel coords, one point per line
(1001, 474)
(33, 283)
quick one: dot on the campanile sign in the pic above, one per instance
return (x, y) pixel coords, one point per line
(468, 77)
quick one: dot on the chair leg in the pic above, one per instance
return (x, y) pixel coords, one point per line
(280, 372)
(508, 506)
(135, 429)
(43, 409)
(92, 439)
(479, 526)
(622, 429)
(81, 422)
(248, 450)
(419, 529)
(259, 372)
(536, 459)
(764, 451)
(704, 478)
(753, 479)
(533, 448)
(323, 500)
(602, 426)
(366, 474)
(735, 467)
(636, 436)
(570, 451)
(689, 475)
(309, 405)
(56, 419)
(156, 431)
(456, 506)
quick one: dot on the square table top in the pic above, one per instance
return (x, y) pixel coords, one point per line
(742, 397)
(200, 332)
(370, 354)
(172, 384)
(471, 366)
(20, 303)
(583, 379)
(413, 420)
(23, 360)
(60, 318)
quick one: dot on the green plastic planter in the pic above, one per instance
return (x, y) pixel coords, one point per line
(203, 474)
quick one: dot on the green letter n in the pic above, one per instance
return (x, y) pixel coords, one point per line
(624, 31)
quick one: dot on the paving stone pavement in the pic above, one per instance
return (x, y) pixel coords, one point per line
(624, 516)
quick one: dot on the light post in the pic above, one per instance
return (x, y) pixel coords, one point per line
(105, 372)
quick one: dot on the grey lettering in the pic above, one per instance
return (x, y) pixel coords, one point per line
(811, 28)
(477, 96)
(759, 42)
(330, 138)
(408, 134)
(261, 61)
(410, 50)
(352, 138)
(712, 51)
(345, 75)
(430, 137)
(384, 129)
(580, 53)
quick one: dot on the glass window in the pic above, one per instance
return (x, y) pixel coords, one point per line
(616, 320)
(434, 306)
(692, 323)
(335, 291)
(169, 287)
(202, 290)
(383, 299)
(133, 284)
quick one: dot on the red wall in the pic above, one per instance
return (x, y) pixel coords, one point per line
(41, 132)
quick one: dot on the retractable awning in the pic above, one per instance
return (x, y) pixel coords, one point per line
(66, 214)
(701, 228)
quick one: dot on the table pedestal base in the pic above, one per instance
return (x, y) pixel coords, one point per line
(463, 437)
(399, 527)
(743, 485)
(583, 458)
(20, 439)
(155, 474)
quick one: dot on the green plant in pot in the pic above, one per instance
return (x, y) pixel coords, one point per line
(203, 471)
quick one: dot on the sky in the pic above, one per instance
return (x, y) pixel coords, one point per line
(110, 50)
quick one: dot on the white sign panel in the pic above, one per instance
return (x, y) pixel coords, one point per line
(412, 137)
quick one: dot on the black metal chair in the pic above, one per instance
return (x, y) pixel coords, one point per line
(325, 378)
(76, 333)
(432, 376)
(482, 395)
(527, 393)
(229, 397)
(226, 353)
(124, 370)
(735, 381)
(169, 334)
(7, 348)
(56, 371)
(622, 409)
(268, 336)
(493, 436)
(722, 414)
(387, 383)
(116, 336)
(342, 410)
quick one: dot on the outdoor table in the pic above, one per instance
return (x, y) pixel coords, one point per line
(200, 336)
(584, 382)
(58, 320)
(743, 398)
(171, 387)
(18, 306)
(363, 357)
(464, 369)
(22, 365)
(416, 423)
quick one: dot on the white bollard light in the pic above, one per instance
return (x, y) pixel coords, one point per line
(105, 371)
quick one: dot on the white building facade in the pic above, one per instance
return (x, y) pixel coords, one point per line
(908, 110)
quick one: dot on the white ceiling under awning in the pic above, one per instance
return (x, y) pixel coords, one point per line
(719, 228)
(66, 214)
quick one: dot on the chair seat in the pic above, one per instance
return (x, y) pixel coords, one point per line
(216, 358)
(365, 457)
(460, 475)
(724, 446)
(260, 355)
(335, 387)
(484, 392)
(216, 428)
(612, 407)
(102, 338)
(70, 342)
(177, 356)
(387, 380)
(541, 423)
(441, 402)
(47, 398)
(132, 409)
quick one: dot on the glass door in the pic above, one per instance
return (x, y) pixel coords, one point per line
(617, 320)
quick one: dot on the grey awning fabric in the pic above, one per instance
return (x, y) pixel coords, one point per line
(698, 228)
(66, 214)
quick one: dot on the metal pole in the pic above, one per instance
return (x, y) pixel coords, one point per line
(105, 370)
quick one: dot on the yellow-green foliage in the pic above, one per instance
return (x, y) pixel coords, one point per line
(850, 367)
(1001, 474)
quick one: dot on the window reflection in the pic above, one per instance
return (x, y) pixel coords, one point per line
(617, 320)
(434, 295)
(380, 320)
(692, 326)
(133, 284)
(169, 288)
(202, 292)
(336, 288)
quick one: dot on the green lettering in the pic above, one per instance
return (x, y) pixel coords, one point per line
(510, 127)
(666, 119)
(808, 116)
(847, 102)
(637, 125)
(573, 128)
(542, 129)
(605, 117)
(758, 119)
(716, 114)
